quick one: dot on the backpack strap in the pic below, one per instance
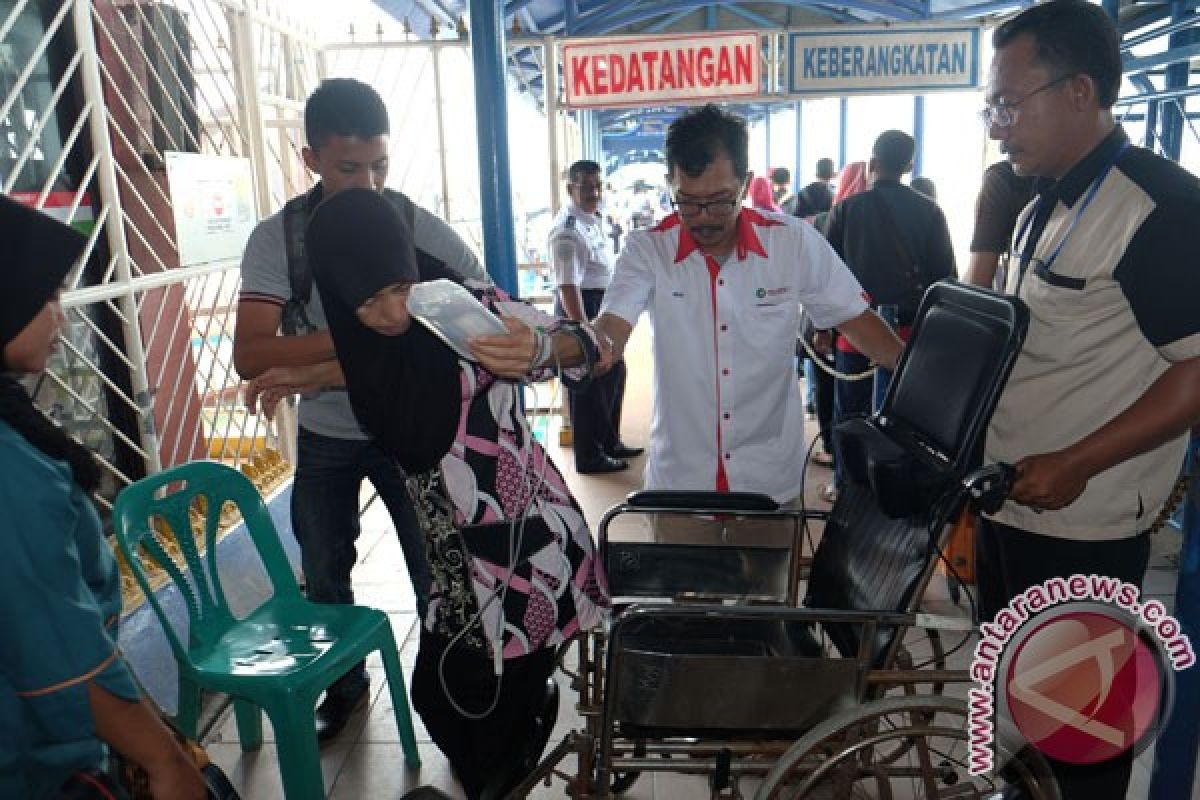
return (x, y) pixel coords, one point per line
(912, 270)
(295, 220)
(407, 208)
(300, 280)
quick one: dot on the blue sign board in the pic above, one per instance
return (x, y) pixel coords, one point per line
(895, 59)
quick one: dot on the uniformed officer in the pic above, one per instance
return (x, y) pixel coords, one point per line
(582, 259)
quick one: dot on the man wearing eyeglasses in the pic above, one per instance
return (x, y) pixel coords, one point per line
(1096, 413)
(582, 261)
(723, 286)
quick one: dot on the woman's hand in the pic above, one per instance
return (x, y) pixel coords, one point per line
(507, 355)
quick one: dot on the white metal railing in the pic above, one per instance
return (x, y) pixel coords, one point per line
(145, 375)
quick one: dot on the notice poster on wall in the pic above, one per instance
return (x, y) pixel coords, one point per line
(212, 198)
(623, 71)
(909, 60)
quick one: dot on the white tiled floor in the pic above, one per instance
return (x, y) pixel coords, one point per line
(366, 761)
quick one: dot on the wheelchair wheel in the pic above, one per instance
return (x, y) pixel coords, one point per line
(840, 758)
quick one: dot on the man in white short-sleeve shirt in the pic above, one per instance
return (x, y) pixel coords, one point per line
(583, 263)
(723, 286)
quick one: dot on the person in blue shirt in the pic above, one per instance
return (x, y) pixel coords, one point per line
(66, 695)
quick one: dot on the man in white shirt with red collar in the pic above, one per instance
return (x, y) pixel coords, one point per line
(723, 286)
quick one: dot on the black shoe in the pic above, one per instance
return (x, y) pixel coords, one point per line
(622, 450)
(602, 464)
(335, 711)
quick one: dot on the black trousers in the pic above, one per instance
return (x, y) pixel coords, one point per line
(1010, 560)
(478, 750)
(596, 411)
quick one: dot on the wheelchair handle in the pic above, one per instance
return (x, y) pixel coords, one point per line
(988, 487)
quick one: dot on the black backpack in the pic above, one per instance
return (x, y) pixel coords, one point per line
(300, 280)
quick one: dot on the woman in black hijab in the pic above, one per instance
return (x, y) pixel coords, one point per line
(515, 571)
(65, 692)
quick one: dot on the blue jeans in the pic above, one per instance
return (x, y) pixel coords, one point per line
(329, 475)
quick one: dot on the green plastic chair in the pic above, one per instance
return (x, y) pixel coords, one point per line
(284, 653)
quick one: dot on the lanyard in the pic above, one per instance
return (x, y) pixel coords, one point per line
(1026, 248)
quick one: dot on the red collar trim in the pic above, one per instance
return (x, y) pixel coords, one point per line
(747, 238)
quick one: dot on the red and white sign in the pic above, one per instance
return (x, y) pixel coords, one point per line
(661, 70)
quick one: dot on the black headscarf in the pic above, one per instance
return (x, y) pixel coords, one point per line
(40, 253)
(405, 390)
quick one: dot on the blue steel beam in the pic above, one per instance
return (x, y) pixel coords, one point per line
(891, 9)
(1180, 44)
(767, 133)
(630, 15)
(1163, 30)
(1173, 55)
(798, 106)
(667, 22)
(749, 16)
(919, 8)
(837, 14)
(919, 133)
(1175, 751)
(602, 23)
(843, 119)
(513, 6)
(1192, 115)
(607, 15)
(491, 128)
(1139, 21)
(1165, 94)
(1151, 126)
(982, 9)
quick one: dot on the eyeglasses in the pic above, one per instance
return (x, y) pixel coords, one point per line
(715, 208)
(1004, 115)
(598, 188)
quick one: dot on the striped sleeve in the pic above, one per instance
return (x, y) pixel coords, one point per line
(264, 264)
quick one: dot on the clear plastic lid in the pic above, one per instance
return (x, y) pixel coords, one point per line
(452, 313)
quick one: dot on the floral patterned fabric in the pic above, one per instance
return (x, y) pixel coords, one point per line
(513, 560)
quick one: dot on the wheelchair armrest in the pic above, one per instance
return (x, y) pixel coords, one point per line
(710, 501)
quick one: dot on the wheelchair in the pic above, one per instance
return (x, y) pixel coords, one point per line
(713, 666)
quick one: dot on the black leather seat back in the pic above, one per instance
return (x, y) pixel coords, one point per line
(867, 561)
(964, 343)
(903, 464)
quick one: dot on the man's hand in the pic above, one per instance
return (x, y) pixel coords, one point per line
(276, 383)
(507, 355)
(1048, 481)
(607, 357)
(872, 337)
